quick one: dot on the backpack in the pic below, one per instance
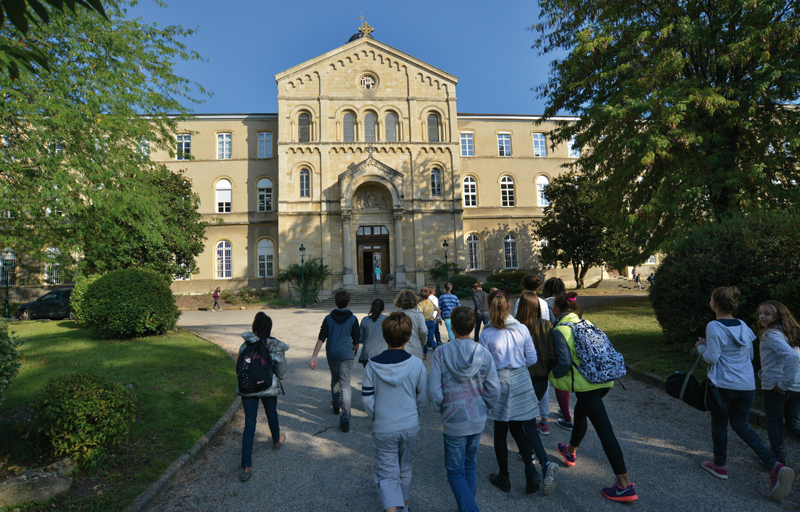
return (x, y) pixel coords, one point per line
(254, 369)
(600, 363)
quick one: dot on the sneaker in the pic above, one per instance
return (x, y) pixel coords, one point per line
(569, 460)
(780, 481)
(501, 482)
(281, 441)
(544, 428)
(566, 425)
(532, 480)
(549, 473)
(717, 471)
(245, 475)
(345, 427)
(617, 493)
(519, 456)
(336, 411)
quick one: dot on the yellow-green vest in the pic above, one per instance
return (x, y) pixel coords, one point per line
(566, 382)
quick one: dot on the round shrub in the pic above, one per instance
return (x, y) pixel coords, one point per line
(130, 303)
(83, 416)
(463, 281)
(757, 253)
(76, 299)
(9, 358)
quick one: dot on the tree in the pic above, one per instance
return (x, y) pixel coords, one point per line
(439, 271)
(688, 107)
(313, 273)
(75, 172)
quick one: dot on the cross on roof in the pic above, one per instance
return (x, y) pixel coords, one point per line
(362, 18)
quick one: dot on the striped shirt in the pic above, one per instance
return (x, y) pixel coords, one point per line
(447, 302)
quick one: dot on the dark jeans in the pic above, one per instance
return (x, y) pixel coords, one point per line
(481, 319)
(589, 407)
(527, 437)
(776, 407)
(540, 386)
(250, 406)
(436, 332)
(341, 393)
(737, 412)
(431, 325)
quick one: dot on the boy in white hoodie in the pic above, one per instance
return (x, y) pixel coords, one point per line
(463, 386)
(394, 389)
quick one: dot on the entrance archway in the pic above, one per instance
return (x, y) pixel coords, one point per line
(372, 247)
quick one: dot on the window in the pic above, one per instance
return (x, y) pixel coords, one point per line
(349, 127)
(144, 148)
(391, 127)
(223, 146)
(574, 150)
(223, 196)
(467, 144)
(184, 146)
(433, 128)
(184, 275)
(436, 182)
(264, 187)
(224, 257)
(265, 254)
(539, 146)
(507, 191)
(372, 230)
(305, 183)
(9, 272)
(651, 260)
(510, 251)
(541, 184)
(52, 266)
(304, 128)
(473, 252)
(504, 144)
(470, 191)
(369, 127)
(264, 144)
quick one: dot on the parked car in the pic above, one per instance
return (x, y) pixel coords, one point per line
(54, 304)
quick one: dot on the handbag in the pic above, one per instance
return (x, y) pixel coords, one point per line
(703, 396)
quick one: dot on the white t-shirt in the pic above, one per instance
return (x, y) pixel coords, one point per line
(435, 301)
(543, 307)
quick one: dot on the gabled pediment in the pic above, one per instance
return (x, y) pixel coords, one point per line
(370, 170)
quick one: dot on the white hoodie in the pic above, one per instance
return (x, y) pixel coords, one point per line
(729, 351)
(394, 390)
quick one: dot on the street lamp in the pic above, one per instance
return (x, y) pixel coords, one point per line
(7, 276)
(446, 270)
(302, 275)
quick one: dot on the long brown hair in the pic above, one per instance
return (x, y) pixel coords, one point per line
(784, 321)
(568, 303)
(529, 311)
(498, 310)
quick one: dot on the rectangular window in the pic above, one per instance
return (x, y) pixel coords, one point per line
(265, 145)
(265, 199)
(574, 151)
(504, 144)
(184, 150)
(223, 146)
(467, 144)
(651, 260)
(539, 145)
(223, 201)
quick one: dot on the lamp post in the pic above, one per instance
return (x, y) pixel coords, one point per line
(302, 275)
(446, 269)
(6, 275)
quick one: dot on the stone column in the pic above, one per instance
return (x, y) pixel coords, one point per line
(399, 268)
(348, 277)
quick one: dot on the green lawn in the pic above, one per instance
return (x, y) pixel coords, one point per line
(183, 384)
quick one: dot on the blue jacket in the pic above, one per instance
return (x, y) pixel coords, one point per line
(340, 329)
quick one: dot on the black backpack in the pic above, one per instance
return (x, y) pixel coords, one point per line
(254, 369)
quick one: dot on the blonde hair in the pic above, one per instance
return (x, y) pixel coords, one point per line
(784, 321)
(498, 310)
(726, 298)
(529, 311)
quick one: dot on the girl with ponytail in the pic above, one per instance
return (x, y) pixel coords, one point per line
(372, 342)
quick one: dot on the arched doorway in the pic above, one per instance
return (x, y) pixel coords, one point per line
(372, 247)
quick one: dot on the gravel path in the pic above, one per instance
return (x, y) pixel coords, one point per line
(321, 468)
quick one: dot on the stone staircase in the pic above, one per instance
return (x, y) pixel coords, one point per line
(362, 295)
(620, 283)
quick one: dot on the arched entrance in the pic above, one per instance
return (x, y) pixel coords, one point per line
(372, 244)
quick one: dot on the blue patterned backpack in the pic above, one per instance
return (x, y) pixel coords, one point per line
(600, 363)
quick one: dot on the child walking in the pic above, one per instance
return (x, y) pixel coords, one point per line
(395, 388)
(448, 302)
(215, 296)
(428, 310)
(463, 386)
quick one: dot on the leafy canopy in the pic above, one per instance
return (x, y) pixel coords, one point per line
(688, 107)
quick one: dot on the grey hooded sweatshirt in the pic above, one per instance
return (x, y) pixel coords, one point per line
(463, 386)
(780, 363)
(394, 390)
(277, 352)
(729, 351)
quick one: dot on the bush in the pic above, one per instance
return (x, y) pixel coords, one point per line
(514, 276)
(247, 295)
(9, 358)
(760, 254)
(76, 303)
(315, 273)
(83, 415)
(463, 281)
(129, 303)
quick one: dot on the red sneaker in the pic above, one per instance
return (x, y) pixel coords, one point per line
(780, 481)
(717, 471)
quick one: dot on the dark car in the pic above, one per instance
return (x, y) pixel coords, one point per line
(50, 305)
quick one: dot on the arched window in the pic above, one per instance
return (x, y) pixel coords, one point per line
(539, 145)
(224, 259)
(9, 268)
(436, 182)
(349, 127)
(264, 187)
(473, 252)
(223, 196)
(305, 183)
(511, 256)
(541, 184)
(470, 191)
(391, 127)
(433, 128)
(369, 127)
(52, 266)
(265, 254)
(507, 191)
(304, 128)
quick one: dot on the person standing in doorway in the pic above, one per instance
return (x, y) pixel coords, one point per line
(377, 265)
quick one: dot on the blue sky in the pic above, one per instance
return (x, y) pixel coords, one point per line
(246, 42)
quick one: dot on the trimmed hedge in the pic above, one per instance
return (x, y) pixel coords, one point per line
(514, 276)
(760, 254)
(9, 358)
(130, 303)
(76, 302)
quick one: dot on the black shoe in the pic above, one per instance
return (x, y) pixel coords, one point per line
(501, 482)
(336, 411)
(532, 479)
(345, 426)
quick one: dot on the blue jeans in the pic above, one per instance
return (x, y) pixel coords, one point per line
(431, 343)
(776, 407)
(341, 393)
(461, 460)
(450, 335)
(250, 406)
(737, 411)
(481, 319)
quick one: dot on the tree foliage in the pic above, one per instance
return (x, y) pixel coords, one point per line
(75, 172)
(10, 358)
(313, 272)
(687, 107)
(440, 272)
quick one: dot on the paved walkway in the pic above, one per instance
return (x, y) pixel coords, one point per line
(323, 469)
